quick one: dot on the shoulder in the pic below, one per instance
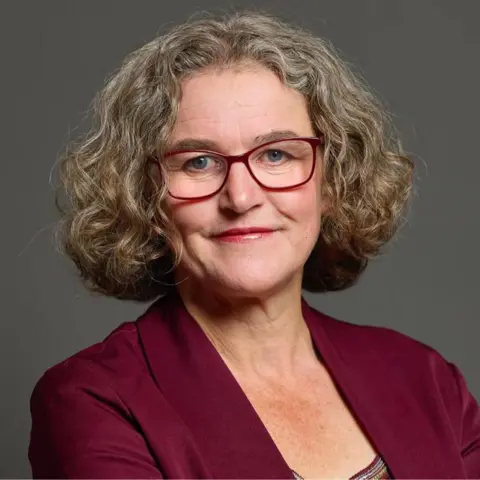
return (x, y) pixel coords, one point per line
(81, 409)
(417, 369)
(389, 344)
(103, 368)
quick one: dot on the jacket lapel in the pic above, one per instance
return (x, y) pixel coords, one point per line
(391, 409)
(200, 387)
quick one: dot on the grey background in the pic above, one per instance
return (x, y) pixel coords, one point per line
(421, 56)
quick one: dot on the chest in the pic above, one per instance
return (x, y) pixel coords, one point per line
(314, 429)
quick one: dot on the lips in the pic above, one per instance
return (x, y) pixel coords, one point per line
(235, 232)
(244, 235)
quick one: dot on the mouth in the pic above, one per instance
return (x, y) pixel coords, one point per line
(241, 235)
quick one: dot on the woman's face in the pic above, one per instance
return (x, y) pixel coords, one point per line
(229, 109)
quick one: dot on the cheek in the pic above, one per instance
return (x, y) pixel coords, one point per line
(302, 206)
(190, 217)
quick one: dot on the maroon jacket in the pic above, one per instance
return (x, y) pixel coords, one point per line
(155, 400)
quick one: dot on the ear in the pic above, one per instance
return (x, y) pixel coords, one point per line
(325, 206)
(325, 200)
(154, 169)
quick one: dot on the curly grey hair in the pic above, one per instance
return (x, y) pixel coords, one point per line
(114, 226)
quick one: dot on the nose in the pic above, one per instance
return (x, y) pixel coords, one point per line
(241, 192)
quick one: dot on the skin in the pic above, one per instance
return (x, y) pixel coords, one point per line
(247, 296)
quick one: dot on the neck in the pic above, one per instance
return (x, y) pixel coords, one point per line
(259, 338)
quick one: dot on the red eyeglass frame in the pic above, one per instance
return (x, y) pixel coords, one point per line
(243, 158)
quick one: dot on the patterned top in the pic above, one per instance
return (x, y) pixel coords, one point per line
(377, 470)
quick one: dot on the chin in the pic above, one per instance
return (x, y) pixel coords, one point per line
(246, 275)
(250, 283)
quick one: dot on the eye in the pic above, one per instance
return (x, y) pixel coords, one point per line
(198, 163)
(275, 155)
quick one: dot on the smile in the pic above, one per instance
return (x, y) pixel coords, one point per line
(244, 235)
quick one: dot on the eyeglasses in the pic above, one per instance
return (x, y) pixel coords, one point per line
(276, 165)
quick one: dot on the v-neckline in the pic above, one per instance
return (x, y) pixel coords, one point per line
(228, 431)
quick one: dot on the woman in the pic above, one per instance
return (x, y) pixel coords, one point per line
(234, 162)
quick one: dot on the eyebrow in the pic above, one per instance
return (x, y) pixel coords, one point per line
(206, 144)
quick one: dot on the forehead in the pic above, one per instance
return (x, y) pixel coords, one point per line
(235, 106)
